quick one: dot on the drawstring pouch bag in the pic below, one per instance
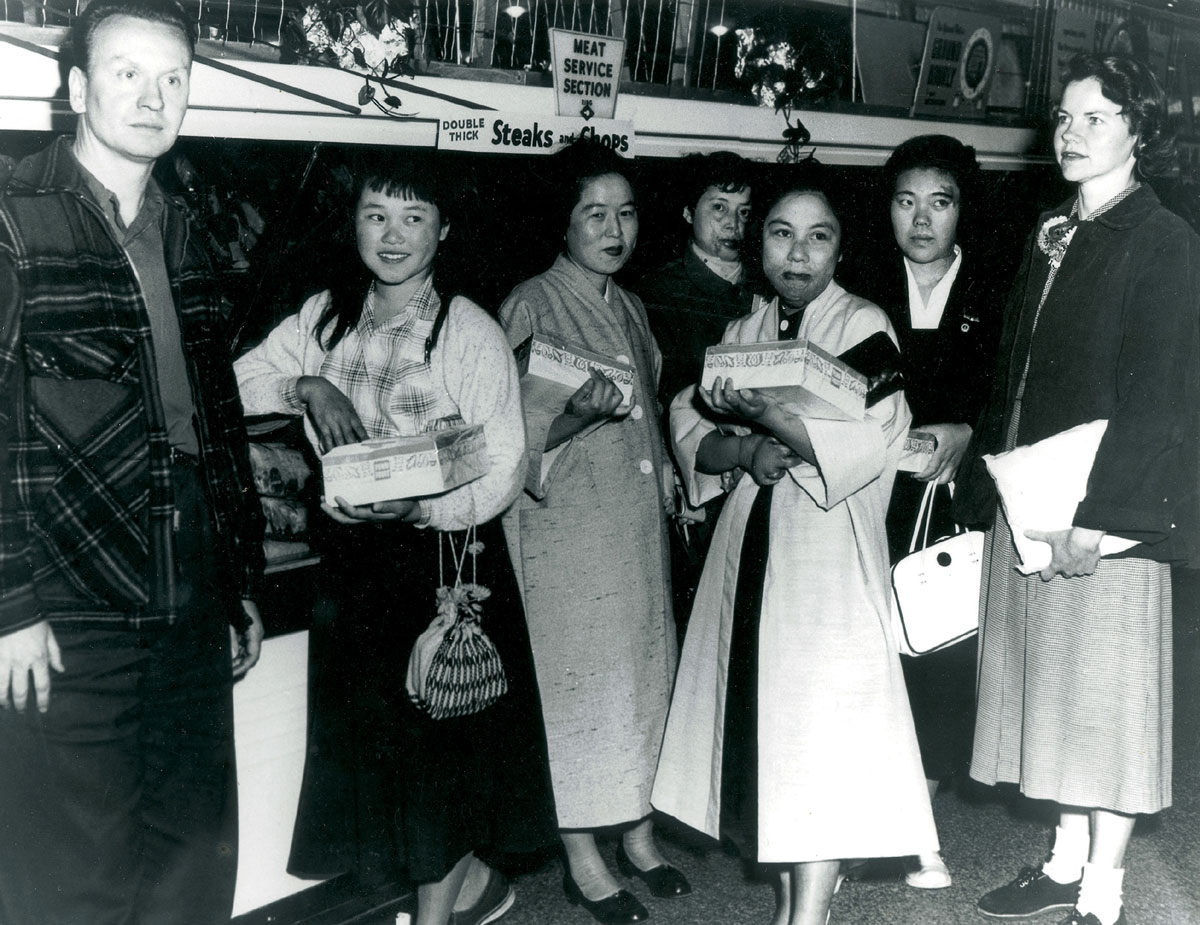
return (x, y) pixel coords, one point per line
(935, 600)
(454, 669)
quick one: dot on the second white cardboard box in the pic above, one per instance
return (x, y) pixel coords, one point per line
(390, 468)
(552, 370)
(816, 383)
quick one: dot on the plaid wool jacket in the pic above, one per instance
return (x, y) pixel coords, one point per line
(86, 506)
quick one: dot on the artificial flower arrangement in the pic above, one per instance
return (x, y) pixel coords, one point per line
(1054, 236)
(786, 73)
(374, 36)
(781, 71)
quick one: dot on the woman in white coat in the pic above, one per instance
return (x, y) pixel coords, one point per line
(790, 698)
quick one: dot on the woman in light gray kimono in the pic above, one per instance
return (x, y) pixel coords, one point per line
(589, 545)
(790, 732)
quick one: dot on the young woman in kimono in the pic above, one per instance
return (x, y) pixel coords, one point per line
(790, 697)
(589, 542)
(1075, 663)
(388, 791)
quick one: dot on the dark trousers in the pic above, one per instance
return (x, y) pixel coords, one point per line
(119, 805)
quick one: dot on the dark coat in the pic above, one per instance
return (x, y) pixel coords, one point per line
(688, 306)
(948, 371)
(1117, 338)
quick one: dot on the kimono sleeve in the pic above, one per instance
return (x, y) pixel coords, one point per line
(518, 317)
(852, 454)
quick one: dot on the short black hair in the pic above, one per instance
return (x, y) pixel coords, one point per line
(414, 177)
(1132, 85)
(728, 172)
(934, 152)
(579, 162)
(806, 178)
(167, 12)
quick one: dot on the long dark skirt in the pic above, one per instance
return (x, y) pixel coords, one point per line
(387, 791)
(739, 747)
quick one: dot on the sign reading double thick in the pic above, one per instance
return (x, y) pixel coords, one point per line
(587, 73)
(528, 133)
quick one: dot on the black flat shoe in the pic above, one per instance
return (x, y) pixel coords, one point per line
(664, 881)
(621, 908)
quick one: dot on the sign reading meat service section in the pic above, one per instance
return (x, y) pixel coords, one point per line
(587, 73)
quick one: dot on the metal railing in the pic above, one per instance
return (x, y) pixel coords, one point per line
(689, 45)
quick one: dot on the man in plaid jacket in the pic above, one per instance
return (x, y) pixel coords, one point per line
(130, 537)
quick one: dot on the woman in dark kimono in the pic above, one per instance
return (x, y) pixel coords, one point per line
(1075, 662)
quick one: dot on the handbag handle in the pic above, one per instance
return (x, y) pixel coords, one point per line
(925, 516)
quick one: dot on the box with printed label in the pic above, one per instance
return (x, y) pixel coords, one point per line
(390, 468)
(918, 451)
(811, 381)
(552, 371)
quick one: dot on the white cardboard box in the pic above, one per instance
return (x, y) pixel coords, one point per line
(798, 372)
(918, 451)
(553, 370)
(389, 468)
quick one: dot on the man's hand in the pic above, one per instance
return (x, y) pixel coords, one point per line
(247, 645)
(952, 440)
(1073, 552)
(32, 649)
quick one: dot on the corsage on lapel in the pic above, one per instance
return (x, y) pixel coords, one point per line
(1055, 235)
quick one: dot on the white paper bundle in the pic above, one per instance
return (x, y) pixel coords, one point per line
(815, 383)
(1041, 485)
(552, 371)
(389, 468)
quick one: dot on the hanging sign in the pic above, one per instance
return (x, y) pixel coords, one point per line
(528, 133)
(957, 67)
(1074, 34)
(587, 73)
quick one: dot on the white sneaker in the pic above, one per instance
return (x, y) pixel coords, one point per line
(933, 874)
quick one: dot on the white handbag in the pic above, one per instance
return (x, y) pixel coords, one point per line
(935, 599)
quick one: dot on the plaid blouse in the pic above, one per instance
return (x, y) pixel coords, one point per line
(381, 368)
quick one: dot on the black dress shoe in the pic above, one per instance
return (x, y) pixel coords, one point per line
(621, 908)
(664, 881)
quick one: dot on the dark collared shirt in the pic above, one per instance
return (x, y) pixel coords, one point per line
(143, 243)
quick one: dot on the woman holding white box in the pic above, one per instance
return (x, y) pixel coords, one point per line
(388, 791)
(790, 698)
(1075, 665)
(588, 536)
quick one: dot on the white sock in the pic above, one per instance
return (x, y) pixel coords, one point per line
(1070, 851)
(1100, 892)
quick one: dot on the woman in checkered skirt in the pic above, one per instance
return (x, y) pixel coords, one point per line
(1075, 662)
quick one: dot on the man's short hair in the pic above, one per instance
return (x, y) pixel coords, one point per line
(725, 170)
(167, 12)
